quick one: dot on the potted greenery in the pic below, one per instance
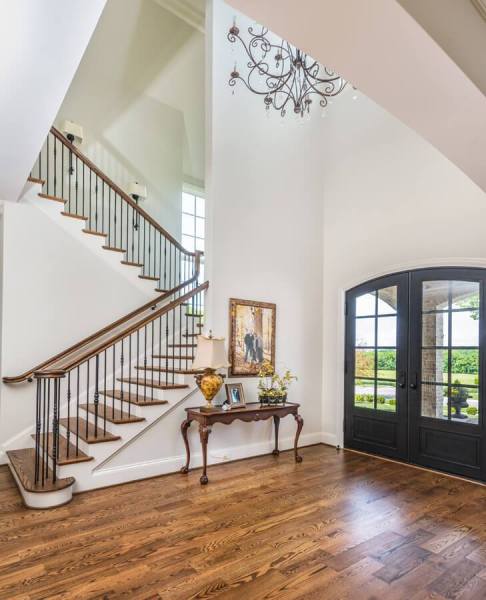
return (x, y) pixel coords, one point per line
(272, 388)
(459, 396)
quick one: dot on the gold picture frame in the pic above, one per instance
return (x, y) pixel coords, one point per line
(252, 336)
(235, 396)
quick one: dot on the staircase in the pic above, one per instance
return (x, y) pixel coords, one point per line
(96, 396)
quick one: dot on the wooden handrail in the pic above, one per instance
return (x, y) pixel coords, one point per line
(122, 335)
(56, 133)
(91, 338)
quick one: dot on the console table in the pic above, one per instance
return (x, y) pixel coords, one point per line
(251, 412)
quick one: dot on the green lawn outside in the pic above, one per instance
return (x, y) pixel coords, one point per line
(464, 378)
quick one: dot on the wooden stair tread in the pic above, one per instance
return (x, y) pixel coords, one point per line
(55, 198)
(174, 357)
(74, 216)
(64, 457)
(194, 316)
(91, 438)
(113, 249)
(131, 264)
(93, 232)
(153, 384)
(149, 277)
(36, 180)
(189, 335)
(158, 290)
(133, 398)
(23, 463)
(170, 370)
(114, 415)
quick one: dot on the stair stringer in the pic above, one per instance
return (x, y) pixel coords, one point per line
(91, 475)
(94, 243)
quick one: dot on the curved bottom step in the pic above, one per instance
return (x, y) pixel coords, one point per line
(36, 495)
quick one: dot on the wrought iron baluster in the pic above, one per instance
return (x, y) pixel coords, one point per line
(87, 397)
(77, 410)
(37, 430)
(68, 428)
(96, 392)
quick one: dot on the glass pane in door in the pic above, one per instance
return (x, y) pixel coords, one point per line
(375, 351)
(450, 351)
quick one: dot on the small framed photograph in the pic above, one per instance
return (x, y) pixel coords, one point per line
(235, 395)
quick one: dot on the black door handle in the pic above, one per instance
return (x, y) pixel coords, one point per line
(413, 381)
(402, 379)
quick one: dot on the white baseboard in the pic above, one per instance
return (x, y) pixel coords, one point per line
(172, 464)
(329, 438)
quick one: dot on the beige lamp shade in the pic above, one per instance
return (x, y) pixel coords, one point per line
(210, 353)
(74, 129)
(137, 189)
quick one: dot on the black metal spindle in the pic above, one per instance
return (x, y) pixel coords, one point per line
(129, 372)
(55, 428)
(37, 430)
(47, 161)
(96, 392)
(152, 360)
(87, 397)
(109, 217)
(122, 360)
(114, 379)
(45, 432)
(46, 450)
(138, 361)
(104, 395)
(68, 428)
(77, 410)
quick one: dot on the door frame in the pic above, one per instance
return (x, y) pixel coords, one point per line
(462, 272)
(420, 426)
(396, 423)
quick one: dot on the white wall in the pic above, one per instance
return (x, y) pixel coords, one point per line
(265, 231)
(41, 44)
(383, 51)
(55, 292)
(391, 202)
(131, 94)
(264, 242)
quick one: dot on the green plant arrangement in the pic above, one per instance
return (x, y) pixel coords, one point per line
(272, 388)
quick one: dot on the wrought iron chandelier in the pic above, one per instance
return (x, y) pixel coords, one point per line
(284, 75)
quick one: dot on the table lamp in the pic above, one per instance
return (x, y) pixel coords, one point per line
(210, 356)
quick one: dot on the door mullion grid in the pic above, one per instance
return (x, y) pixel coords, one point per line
(375, 402)
(449, 352)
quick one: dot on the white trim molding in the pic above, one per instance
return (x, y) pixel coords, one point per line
(186, 10)
(480, 5)
(172, 464)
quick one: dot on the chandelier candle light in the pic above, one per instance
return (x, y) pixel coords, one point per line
(210, 356)
(283, 74)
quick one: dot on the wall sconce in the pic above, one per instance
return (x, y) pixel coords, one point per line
(74, 133)
(138, 191)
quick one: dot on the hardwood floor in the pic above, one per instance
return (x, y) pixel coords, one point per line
(339, 525)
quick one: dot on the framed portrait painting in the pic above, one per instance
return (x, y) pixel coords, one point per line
(252, 336)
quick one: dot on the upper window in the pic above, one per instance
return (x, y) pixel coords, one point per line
(193, 221)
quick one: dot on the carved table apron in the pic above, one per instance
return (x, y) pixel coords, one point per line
(251, 412)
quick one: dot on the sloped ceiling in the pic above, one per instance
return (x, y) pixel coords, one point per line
(382, 50)
(41, 45)
(460, 30)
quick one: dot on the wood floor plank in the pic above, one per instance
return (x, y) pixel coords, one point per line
(337, 526)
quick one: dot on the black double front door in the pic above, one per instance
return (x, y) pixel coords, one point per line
(414, 369)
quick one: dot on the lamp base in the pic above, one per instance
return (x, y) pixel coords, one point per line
(209, 383)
